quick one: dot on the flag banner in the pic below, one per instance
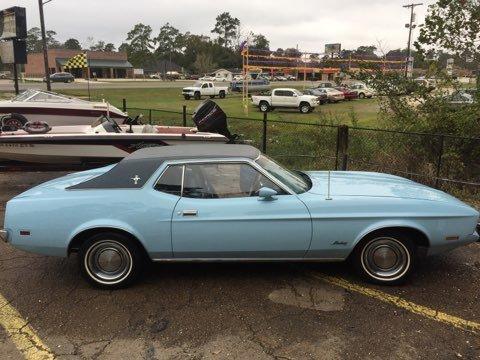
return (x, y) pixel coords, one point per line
(77, 62)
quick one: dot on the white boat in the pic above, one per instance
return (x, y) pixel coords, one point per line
(55, 109)
(103, 142)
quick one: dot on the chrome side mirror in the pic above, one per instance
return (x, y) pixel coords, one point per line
(266, 193)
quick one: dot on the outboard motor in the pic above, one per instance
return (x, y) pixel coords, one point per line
(209, 117)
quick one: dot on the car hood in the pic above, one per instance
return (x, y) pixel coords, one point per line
(188, 88)
(64, 182)
(369, 184)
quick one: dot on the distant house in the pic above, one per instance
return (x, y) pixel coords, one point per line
(223, 75)
(102, 64)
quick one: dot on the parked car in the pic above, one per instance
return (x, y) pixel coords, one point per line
(155, 76)
(326, 84)
(192, 77)
(334, 96)
(362, 91)
(429, 83)
(280, 78)
(459, 98)
(254, 86)
(5, 75)
(348, 94)
(322, 97)
(285, 98)
(232, 203)
(207, 78)
(204, 88)
(290, 77)
(65, 77)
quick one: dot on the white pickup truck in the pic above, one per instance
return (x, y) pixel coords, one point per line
(286, 98)
(204, 88)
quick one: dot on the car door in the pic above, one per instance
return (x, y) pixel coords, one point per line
(221, 216)
(279, 98)
(205, 90)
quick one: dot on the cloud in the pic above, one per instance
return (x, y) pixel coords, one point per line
(286, 23)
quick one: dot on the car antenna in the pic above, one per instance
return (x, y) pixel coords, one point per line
(328, 187)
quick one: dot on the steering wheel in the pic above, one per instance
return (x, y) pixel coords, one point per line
(114, 124)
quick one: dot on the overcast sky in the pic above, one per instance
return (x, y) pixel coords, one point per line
(309, 23)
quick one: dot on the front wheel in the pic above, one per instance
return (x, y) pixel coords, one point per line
(111, 260)
(264, 107)
(196, 96)
(361, 96)
(187, 97)
(305, 108)
(385, 259)
(222, 94)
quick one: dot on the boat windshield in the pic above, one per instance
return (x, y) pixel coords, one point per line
(298, 181)
(45, 96)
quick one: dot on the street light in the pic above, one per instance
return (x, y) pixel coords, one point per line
(410, 26)
(44, 43)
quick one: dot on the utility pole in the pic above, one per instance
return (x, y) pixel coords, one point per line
(410, 27)
(44, 43)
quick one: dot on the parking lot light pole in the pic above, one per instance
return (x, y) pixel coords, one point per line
(410, 27)
(44, 43)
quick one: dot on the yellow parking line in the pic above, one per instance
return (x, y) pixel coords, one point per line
(22, 334)
(427, 312)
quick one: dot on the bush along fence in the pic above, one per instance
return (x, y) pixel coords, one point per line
(450, 163)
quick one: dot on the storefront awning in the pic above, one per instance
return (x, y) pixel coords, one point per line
(101, 63)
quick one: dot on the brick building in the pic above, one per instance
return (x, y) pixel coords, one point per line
(102, 64)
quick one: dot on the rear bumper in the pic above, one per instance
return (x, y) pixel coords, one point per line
(4, 235)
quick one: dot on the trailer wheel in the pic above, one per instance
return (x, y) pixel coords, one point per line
(196, 96)
(13, 122)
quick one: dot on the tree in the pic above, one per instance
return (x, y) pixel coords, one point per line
(260, 42)
(169, 40)
(34, 40)
(226, 27)
(204, 63)
(99, 46)
(452, 25)
(366, 50)
(109, 47)
(139, 45)
(72, 44)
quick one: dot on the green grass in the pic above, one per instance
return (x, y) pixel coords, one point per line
(365, 111)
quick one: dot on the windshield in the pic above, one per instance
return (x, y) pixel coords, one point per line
(292, 180)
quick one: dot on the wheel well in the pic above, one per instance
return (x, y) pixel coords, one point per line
(304, 103)
(418, 237)
(77, 240)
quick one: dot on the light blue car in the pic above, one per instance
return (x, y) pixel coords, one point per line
(218, 202)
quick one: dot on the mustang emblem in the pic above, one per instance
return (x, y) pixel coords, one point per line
(136, 179)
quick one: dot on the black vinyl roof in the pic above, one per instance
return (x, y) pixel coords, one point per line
(141, 164)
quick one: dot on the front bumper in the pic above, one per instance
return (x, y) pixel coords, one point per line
(4, 235)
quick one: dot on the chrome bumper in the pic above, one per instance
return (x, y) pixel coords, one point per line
(4, 235)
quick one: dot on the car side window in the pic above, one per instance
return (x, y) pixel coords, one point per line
(224, 180)
(280, 93)
(171, 180)
(204, 86)
(288, 93)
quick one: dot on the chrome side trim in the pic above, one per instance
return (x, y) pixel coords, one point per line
(4, 235)
(248, 260)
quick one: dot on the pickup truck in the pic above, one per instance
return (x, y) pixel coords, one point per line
(286, 98)
(204, 88)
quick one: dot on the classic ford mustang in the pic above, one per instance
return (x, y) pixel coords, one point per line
(218, 202)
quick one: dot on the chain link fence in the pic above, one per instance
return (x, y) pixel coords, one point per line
(445, 162)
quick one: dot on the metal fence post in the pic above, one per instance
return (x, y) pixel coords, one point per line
(342, 148)
(184, 114)
(124, 105)
(439, 162)
(150, 116)
(264, 135)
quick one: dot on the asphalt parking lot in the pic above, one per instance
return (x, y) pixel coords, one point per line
(235, 311)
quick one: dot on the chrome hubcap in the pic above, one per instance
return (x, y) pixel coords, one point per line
(108, 261)
(385, 258)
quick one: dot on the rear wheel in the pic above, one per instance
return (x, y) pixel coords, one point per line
(111, 260)
(361, 96)
(385, 258)
(187, 97)
(263, 106)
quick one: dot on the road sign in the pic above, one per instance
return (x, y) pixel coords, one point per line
(333, 48)
(13, 23)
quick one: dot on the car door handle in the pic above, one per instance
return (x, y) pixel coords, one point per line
(189, 212)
